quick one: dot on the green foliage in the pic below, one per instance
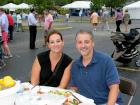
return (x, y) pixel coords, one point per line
(97, 4)
(62, 11)
(40, 5)
(115, 3)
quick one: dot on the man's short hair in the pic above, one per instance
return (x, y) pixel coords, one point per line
(87, 32)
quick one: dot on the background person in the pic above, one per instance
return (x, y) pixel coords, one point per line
(94, 20)
(32, 28)
(94, 74)
(118, 18)
(4, 30)
(52, 67)
(126, 19)
(11, 25)
(48, 23)
(14, 15)
(67, 16)
(105, 18)
(2, 63)
(19, 23)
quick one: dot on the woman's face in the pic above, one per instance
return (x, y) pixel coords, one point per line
(55, 43)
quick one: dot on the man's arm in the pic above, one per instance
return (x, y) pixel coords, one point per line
(113, 94)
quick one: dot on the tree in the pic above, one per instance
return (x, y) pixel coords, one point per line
(97, 4)
(40, 5)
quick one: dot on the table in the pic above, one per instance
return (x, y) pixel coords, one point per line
(47, 96)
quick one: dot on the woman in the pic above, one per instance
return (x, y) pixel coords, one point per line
(126, 19)
(118, 17)
(48, 24)
(94, 20)
(52, 67)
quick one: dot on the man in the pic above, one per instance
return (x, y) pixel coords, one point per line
(94, 74)
(105, 18)
(32, 28)
(19, 23)
(47, 24)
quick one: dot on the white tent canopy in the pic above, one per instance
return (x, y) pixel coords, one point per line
(134, 5)
(23, 6)
(10, 6)
(133, 10)
(78, 5)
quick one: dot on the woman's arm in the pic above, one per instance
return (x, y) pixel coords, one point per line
(35, 74)
(113, 94)
(65, 78)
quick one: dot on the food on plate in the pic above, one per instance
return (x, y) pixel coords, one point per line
(60, 92)
(40, 92)
(70, 99)
(26, 89)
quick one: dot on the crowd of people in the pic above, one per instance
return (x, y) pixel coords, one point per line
(104, 16)
(93, 74)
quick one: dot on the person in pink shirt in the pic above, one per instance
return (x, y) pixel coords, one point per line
(48, 23)
(119, 18)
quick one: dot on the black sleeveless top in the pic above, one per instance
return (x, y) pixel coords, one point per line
(46, 72)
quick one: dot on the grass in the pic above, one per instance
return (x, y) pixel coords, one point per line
(59, 27)
(73, 19)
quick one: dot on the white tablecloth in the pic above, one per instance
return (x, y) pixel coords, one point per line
(31, 97)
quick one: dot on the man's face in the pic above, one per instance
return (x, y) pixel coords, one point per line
(84, 44)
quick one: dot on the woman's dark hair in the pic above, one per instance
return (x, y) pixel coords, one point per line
(32, 10)
(50, 33)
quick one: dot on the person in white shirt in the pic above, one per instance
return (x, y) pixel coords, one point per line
(105, 19)
(67, 16)
(32, 28)
(19, 23)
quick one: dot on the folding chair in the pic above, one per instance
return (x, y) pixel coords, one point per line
(128, 87)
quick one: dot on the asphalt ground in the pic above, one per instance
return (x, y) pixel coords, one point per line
(20, 65)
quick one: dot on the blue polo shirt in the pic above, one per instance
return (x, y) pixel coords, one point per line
(93, 81)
